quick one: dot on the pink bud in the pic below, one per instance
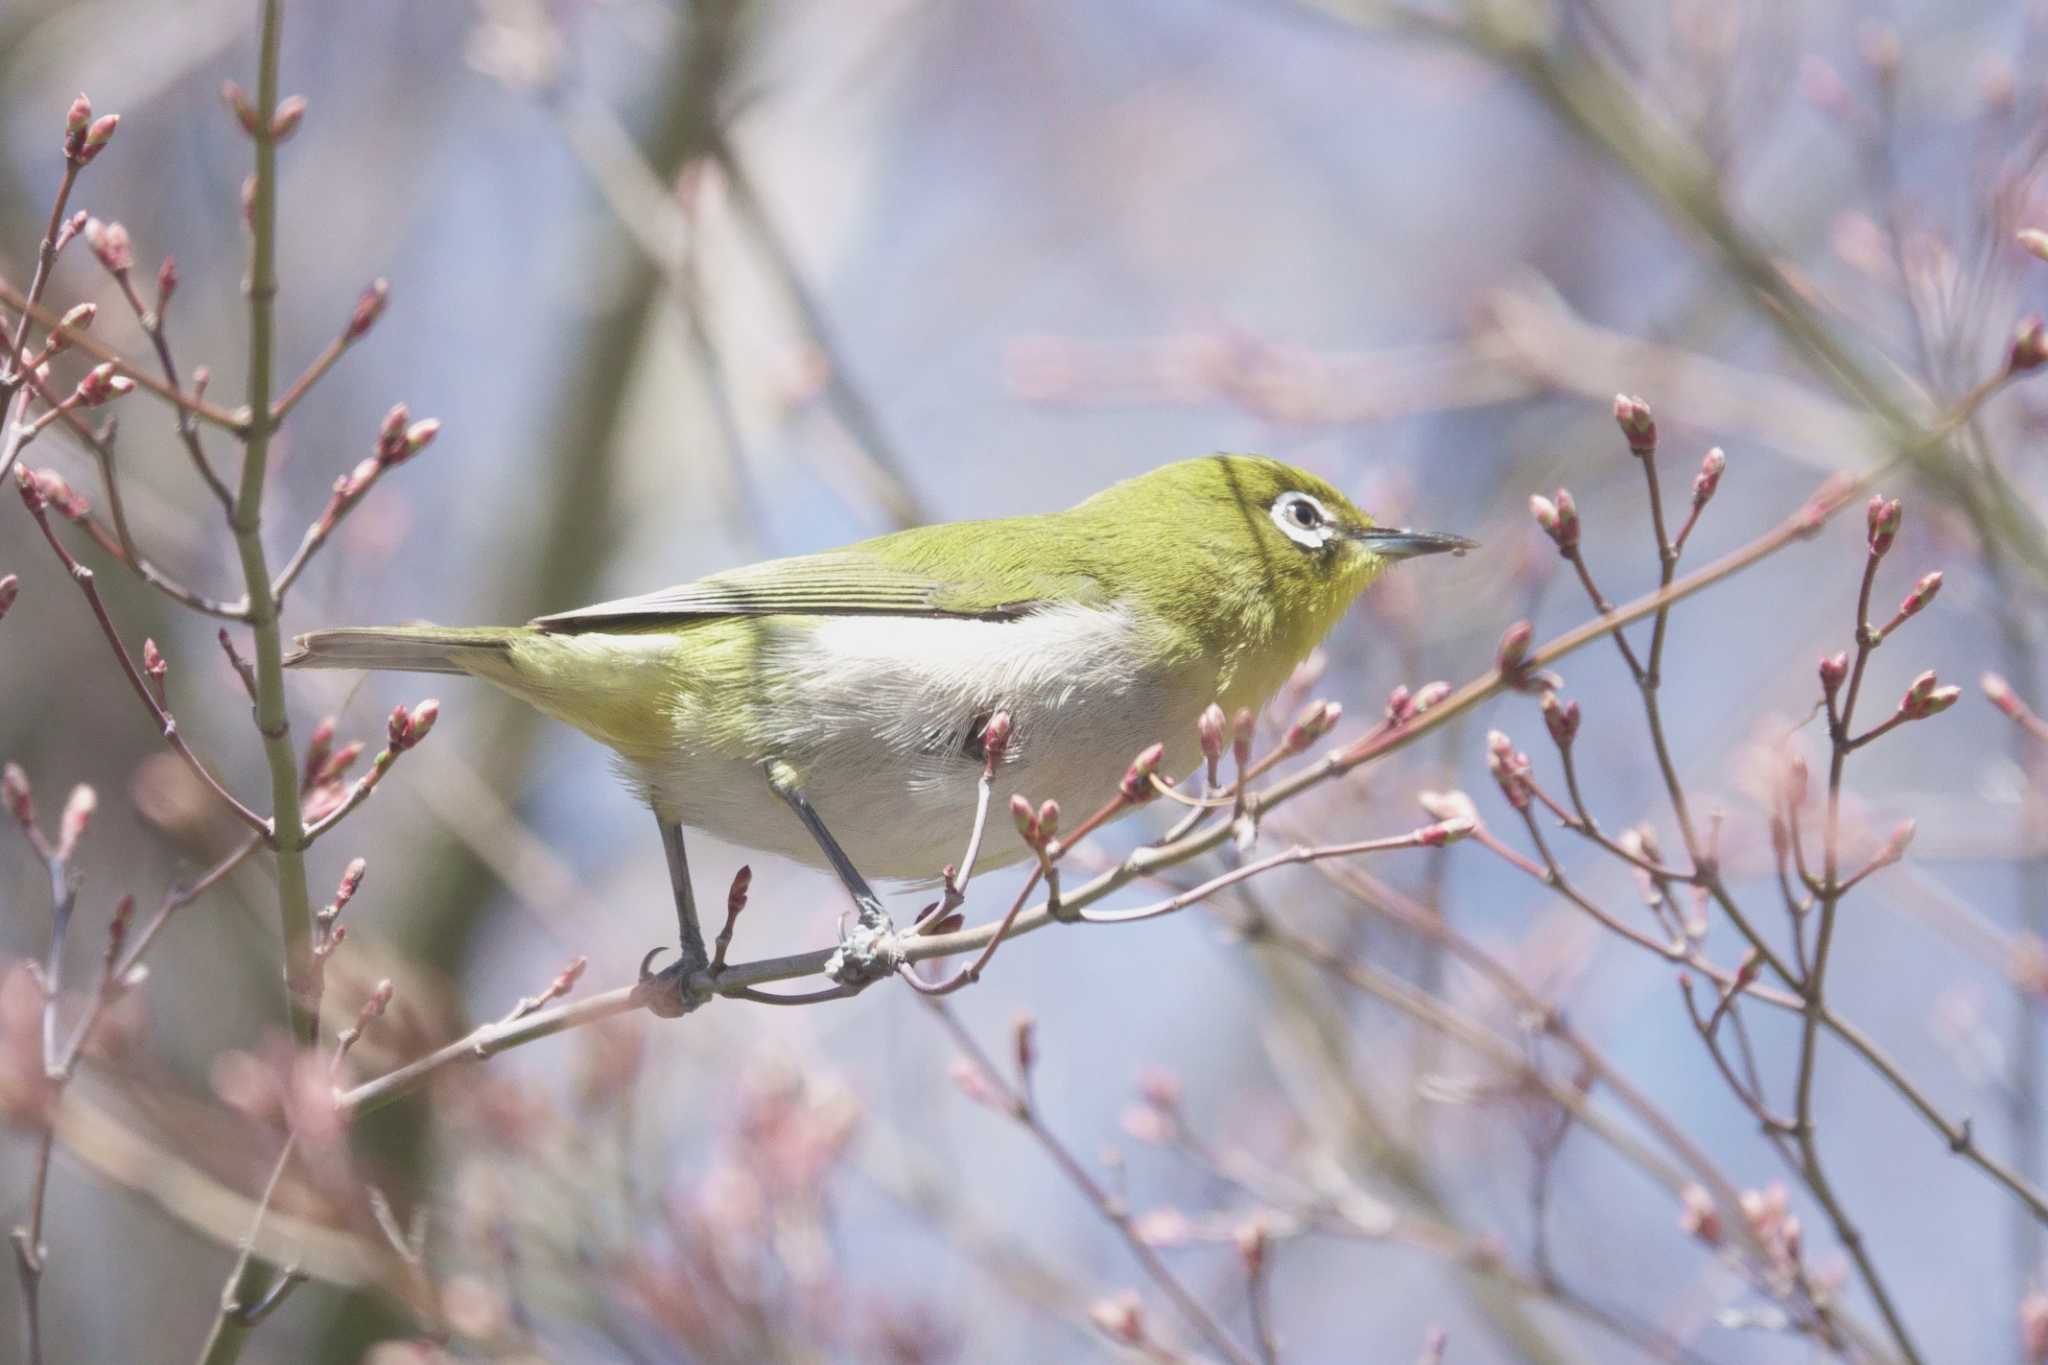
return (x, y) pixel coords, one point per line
(97, 136)
(1633, 416)
(2033, 241)
(1709, 478)
(1896, 845)
(1445, 832)
(1923, 593)
(398, 730)
(1048, 820)
(102, 385)
(76, 318)
(391, 432)
(79, 115)
(1317, 719)
(1121, 1319)
(995, 739)
(318, 747)
(1209, 727)
(1796, 779)
(153, 663)
(10, 588)
(420, 435)
(2000, 694)
(77, 818)
(1882, 515)
(1431, 695)
(109, 242)
(1514, 647)
(1545, 512)
(239, 105)
(1136, 786)
(351, 882)
(30, 487)
(14, 791)
(285, 122)
(1242, 727)
(1026, 819)
(1562, 719)
(1834, 668)
(422, 720)
(368, 309)
(166, 283)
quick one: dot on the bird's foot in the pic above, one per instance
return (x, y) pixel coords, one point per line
(675, 990)
(869, 949)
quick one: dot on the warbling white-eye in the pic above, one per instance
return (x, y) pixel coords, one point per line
(850, 688)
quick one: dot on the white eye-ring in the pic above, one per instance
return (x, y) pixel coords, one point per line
(1305, 521)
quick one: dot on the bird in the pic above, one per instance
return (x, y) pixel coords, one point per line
(853, 688)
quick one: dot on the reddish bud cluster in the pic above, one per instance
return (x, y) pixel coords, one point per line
(1923, 698)
(42, 488)
(1559, 518)
(109, 242)
(85, 137)
(1136, 786)
(1632, 415)
(407, 728)
(102, 384)
(1510, 768)
(1037, 827)
(1316, 720)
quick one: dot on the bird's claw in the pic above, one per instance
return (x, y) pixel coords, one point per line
(673, 991)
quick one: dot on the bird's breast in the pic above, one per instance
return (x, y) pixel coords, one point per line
(882, 718)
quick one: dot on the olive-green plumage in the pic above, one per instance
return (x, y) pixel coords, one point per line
(868, 669)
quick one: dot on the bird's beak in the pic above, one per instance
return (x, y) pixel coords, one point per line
(1398, 543)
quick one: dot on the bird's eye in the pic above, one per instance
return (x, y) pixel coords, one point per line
(1303, 519)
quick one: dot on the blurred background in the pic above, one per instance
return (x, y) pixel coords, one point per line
(692, 285)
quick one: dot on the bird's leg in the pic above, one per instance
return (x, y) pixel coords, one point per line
(668, 992)
(868, 951)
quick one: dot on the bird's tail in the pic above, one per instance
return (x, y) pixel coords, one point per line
(406, 649)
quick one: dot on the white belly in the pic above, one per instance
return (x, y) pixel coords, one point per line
(875, 714)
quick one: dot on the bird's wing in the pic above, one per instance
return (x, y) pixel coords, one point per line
(837, 583)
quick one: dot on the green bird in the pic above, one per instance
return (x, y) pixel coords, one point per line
(850, 688)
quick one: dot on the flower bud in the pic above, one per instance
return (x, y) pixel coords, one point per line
(154, 665)
(318, 747)
(77, 818)
(1445, 832)
(10, 588)
(79, 116)
(97, 136)
(1882, 515)
(1317, 719)
(1545, 512)
(351, 882)
(1698, 1218)
(239, 104)
(422, 720)
(1136, 787)
(166, 283)
(1923, 593)
(285, 121)
(1449, 806)
(1242, 727)
(1209, 727)
(1430, 695)
(1834, 668)
(398, 730)
(368, 309)
(995, 740)
(1121, 1319)
(2033, 241)
(1562, 719)
(1509, 768)
(1795, 781)
(15, 794)
(1895, 846)
(1708, 479)
(1514, 647)
(102, 385)
(344, 758)
(1026, 819)
(2000, 694)
(109, 242)
(1633, 417)
(391, 432)
(2029, 345)
(76, 318)
(1400, 705)
(1048, 820)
